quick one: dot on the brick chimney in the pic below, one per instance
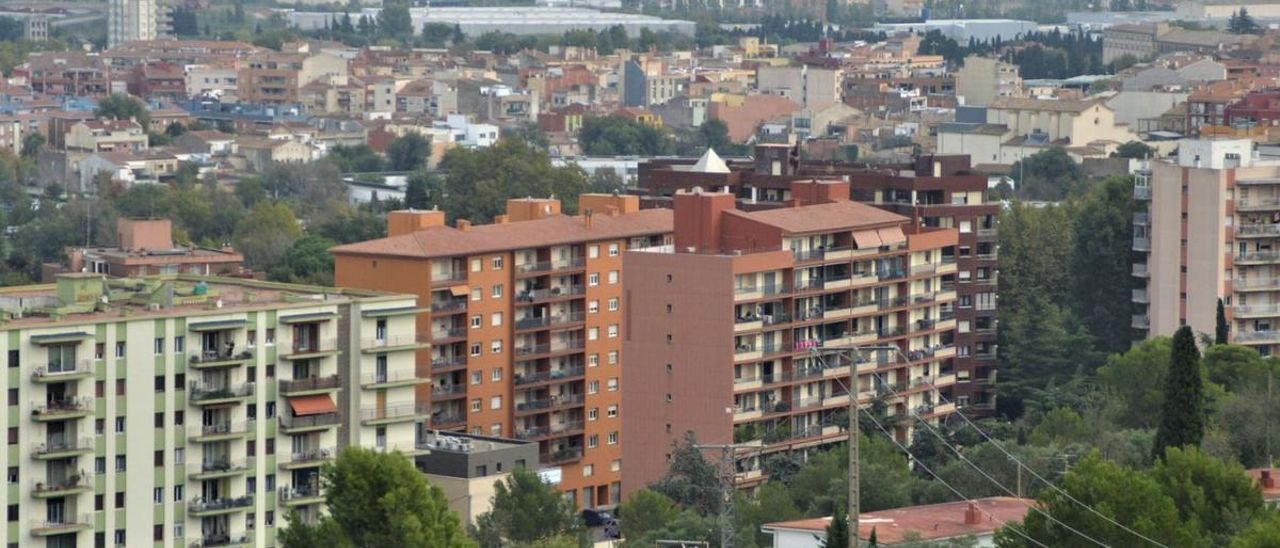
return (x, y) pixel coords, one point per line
(463, 225)
(813, 192)
(530, 209)
(697, 220)
(972, 515)
(408, 221)
(1266, 480)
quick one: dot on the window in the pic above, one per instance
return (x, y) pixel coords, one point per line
(100, 465)
(159, 345)
(613, 438)
(99, 389)
(497, 263)
(481, 470)
(158, 457)
(613, 277)
(593, 279)
(157, 495)
(13, 435)
(613, 250)
(593, 251)
(13, 475)
(593, 333)
(120, 463)
(120, 349)
(251, 339)
(613, 384)
(99, 351)
(179, 344)
(593, 387)
(593, 360)
(476, 265)
(613, 304)
(159, 420)
(14, 358)
(477, 294)
(616, 465)
(476, 349)
(180, 455)
(179, 381)
(178, 418)
(613, 331)
(120, 387)
(475, 405)
(593, 413)
(99, 427)
(496, 346)
(613, 357)
(496, 319)
(477, 321)
(476, 377)
(588, 470)
(160, 382)
(496, 375)
(13, 512)
(270, 518)
(271, 410)
(495, 402)
(119, 425)
(119, 534)
(593, 441)
(13, 396)
(497, 291)
(495, 429)
(271, 336)
(593, 307)
(613, 411)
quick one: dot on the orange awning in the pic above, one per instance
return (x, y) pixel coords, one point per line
(868, 239)
(459, 291)
(315, 404)
(892, 235)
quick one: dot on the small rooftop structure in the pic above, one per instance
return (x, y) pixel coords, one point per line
(932, 522)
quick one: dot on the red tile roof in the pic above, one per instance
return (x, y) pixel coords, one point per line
(841, 215)
(930, 522)
(559, 230)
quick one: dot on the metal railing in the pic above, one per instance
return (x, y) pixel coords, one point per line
(299, 492)
(220, 539)
(449, 276)
(201, 504)
(1141, 244)
(385, 377)
(555, 374)
(531, 295)
(226, 427)
(563, 455)
(309, 421)
(547, 266)
(557, 401)
(220, 356)
(1258, 230)
(1140, 321)
(198, 391)
(74, 404)
(317, 345)
(1256, 283)
(1257, 203)
(536, 322)
(60, 445)
(448, 389)
(1140, 270)
(72, 481)
(452, 333)
(52, 369)
(403, 339)
(449, 305)
(224, 465)
(309, 383)
(443, 362)
(67, 522)
(1142, 192)
(1257, 336)
(313, 455)
(1259, 256)
(394, 411)
(1142, 218)
(1139, 296)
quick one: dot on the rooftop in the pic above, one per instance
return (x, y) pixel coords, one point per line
(1017, 103)
(839, 215)
(929, 522)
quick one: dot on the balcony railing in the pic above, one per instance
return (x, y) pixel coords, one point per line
(1141, 244)
(220, 539)
(72, 481)
(50, 371)
(316, 345)
(75, 404)
(1140, 270)
(60, 445)
(446, 420)
(201, 504)
(448, 390)
(544, 431)
(1142, 218)
(985, 233)
(1142, 192)
(210, 356)
(303, 491)
(313, 455)
(1257, 336)
(395, 411)
(561, 456)
(198, 391)
(445, 362)
(558, 401)
(1258, 204)
(556, 374)
(537, 322)
(403, 339)
(809, 255)
(535, 349)
(213, 466)
(1256, 283)
(1139, 296)
(547, 266)
(226, 427)
(448, 276)
(387, 377)
(67, 522)
(453, 333)
(309, 421)
(310, 383)
(1258, 230)
(532, 295)
(451, 305)
(1141, 321)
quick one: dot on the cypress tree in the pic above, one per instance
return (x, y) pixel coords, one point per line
(1220, 335)
(838, 529)
(1182, 413)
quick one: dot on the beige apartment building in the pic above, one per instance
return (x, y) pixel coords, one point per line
(983, 79)
(1212, 231)
(190, 411)
(278, 78)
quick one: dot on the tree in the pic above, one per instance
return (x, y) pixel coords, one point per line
(1222, 329)
(1262, 533)
(607, 181)
(480, 181)
(395, 22)
(837, 530)
(421, 190)
(1133, 383)
(1134, 149)
(123, 107)
(356, 159)
(378, 499)
(1048, 175)
(1182, 412)
(692, 481)
(1215, 497)
(307, 261)
(1061, 427)
(526, 509)
(617, 135)
(1242, 23)
(31, 144)
(266, 234)
(1101, 251)
(646, 510)
(409, 153)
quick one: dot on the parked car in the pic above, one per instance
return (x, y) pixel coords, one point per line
(596, 518)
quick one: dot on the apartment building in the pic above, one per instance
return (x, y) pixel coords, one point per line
(1015, 128)
(1211, 231)
(983, 79)
(130, 20)
(725, 328)
(106, 135)
(525, 324)
(277, 78)
(813, 88)
(189, 411)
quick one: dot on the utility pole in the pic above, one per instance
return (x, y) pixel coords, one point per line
(854, 438)
(727, 487)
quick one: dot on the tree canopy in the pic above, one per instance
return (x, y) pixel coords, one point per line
(480, 181)
(526, 510)
(617, 135)
(123, 107)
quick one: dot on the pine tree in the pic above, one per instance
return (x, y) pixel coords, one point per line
(1220, 335)
(838, 529)
(873, 542)
(1182, 413)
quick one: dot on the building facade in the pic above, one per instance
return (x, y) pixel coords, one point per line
(735, 331)
(982, 79)
(131, 20)
(204, 406)
(526, 325)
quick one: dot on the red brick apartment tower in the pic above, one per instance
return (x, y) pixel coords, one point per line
(720, 325)
(525, 321)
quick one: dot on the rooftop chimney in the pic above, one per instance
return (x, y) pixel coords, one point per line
(622, 203)
(1267, 481)
(814, 192)
(410, 220)
(972, 515)
(530, 209)
(463, 225)
(697, 219)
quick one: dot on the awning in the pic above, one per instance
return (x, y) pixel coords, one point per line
(216, 325)
(400, 311)
(460, 290)
(316, 317)
(315, 404)
(868, 239)
(55, 338)
(892, 235)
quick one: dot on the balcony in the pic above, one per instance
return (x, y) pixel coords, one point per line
(1140, 321)
(555, 375)
(1141, 244)
(200, 506)
(1142, 192)
(1257, 337)
(73, 484)
(448, 277)
(68, 524)
(1140, 270)
(445, 421)
(445, 336)
(400, 412)
(446, 391)
(305, 350)
(1142, 218)
(200, 393)
(1259, 181)
(802, 256)
(448, 362)
(450, 306)
(308, 385)
(543, 432)
(61, 448)
(300, 495)
(988, 234)
(67, 408)
(540, 268)
(214, 358)
(1139, 296)
(1260, 257)
(1258, 231)
(1258, 204)
(533, 296)
(220, 432)
(220, 468)
(394, 343)
(293, 424)
(49, 372)
(305, 459)
(544, 405)
(392, 379)
(560, 457)
(1256, 284)
(546, 322)
(746, 352)
(743, 324)
(222, 541)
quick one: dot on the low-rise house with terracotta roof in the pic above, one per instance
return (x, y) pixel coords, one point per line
(105, 136)
(157, 81)
(976, 519)
(1010, 129)
(259, 153)
(126, 168)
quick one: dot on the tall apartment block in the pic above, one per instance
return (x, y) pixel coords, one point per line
(525, 322)
(1212, 231)
(724, 328)
(184, 411)
(129, 20)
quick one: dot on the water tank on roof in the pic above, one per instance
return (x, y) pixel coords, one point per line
(202, 288)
